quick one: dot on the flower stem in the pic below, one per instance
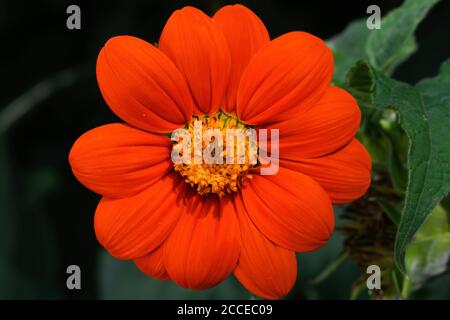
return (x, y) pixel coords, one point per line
(333, 266)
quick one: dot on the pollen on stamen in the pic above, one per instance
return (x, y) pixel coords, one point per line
(219, 178)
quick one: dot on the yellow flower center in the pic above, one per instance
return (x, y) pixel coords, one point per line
(218, 153)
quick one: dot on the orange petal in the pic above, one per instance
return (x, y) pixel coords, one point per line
(330, 124)
(204, 247)
(132, 227)
(290, 209)
(142, 86)
(152, 264)
(199, 49)
(345, 174)
(264, 268)
(116, 160)
(245, 34)
(286, 76)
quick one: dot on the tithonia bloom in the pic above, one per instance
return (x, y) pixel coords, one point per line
(196, 224)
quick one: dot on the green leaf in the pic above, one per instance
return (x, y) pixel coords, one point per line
(120, 279)
(428, 255)
(424, 114)
(397, 170)
(397, 277)
(394, 42)
(385, 48)
(436, 223)
(348, 47)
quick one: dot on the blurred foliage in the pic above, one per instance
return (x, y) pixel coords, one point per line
(122, 280)
(428, 255)
(423, 112)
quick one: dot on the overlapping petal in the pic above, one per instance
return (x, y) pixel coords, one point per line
(264, 268)
(152, 264)
(199, 49)
(283, 78)
(345, 174)
(117, 160)
(324, 128)
(142, 86)
(245, 34)
(290, 209)
(132, 227)
(204, 247)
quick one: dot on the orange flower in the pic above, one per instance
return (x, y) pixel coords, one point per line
(226, 72)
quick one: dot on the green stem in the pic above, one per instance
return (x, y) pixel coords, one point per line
(406, 290)
(333, 266)
(356, 291)
(36, 94)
